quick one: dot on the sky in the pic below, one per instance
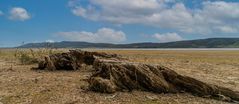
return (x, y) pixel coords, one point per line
(116, 21)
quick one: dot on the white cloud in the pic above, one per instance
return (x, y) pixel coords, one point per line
(103, 35)
(167, 37)
(1, 13)
(79, 11)
(216, 17)
(228, 29)
(170, 1)
(118, 11)
(50, 41)
(18, 13)
(212, 17)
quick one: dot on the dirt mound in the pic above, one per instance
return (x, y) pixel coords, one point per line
(113, 73)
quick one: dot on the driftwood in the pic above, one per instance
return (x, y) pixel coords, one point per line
(113, 73)
(115, 76)
(73, 60)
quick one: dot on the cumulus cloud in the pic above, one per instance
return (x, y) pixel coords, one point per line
(167, 37)
(118, 11)
(103, 35)
(212, 17)
(18, 13)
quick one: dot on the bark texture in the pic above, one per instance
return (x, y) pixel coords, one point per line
(114, 73)
(73, 60)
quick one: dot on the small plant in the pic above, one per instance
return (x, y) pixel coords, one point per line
(25, 57)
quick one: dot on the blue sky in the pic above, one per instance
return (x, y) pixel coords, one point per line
(116, 21)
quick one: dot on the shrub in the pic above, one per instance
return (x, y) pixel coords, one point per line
(32, 56)
(27, 59)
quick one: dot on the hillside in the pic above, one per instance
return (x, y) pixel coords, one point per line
(200, 43)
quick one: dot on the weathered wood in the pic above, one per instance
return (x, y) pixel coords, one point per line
(118, 76)
(72, 60)
(113, 73)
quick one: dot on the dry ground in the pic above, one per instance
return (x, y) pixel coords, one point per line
(20, 85)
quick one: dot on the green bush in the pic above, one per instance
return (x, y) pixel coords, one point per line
(25, 56)
(32, 56)
(27, 59)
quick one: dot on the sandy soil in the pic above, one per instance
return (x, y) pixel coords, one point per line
(21, 85)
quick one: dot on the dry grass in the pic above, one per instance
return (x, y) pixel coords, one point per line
(20, 85)
(26, 56)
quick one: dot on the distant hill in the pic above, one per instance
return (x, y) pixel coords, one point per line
(200, 43)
